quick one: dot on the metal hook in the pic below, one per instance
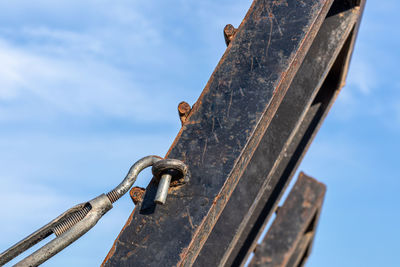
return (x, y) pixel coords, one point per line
(75, 222)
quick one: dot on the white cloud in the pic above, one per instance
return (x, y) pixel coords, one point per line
(99, 67)
(78, 87)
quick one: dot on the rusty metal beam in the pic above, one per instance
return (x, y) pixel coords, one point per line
(245, 135)
(289, 239)
(319, 80)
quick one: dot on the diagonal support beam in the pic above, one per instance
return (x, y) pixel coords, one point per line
(245, 135)
(289, 239)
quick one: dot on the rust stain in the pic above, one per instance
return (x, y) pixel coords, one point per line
(229, 33)
(191, 122)
(280, 3)
(216, 198)
(137, 194)
(183, 110)
(146, 238)
(183, 254)
(306, 204)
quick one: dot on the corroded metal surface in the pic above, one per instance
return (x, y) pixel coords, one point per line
(289, 239)
(229, 33)
(183, 111)
(137, 194)
(291, 131)
(250, 121)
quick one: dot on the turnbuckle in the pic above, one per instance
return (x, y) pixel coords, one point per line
(78, 220)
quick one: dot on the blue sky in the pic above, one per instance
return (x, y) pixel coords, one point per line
(89, 87)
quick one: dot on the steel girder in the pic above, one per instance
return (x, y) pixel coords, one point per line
(245, 135)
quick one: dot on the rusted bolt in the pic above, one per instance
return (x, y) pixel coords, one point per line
(229, 33)
(183, 110)
(137, 194)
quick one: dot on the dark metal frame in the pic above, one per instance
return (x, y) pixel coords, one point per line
(288, 241)
(246, 135)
